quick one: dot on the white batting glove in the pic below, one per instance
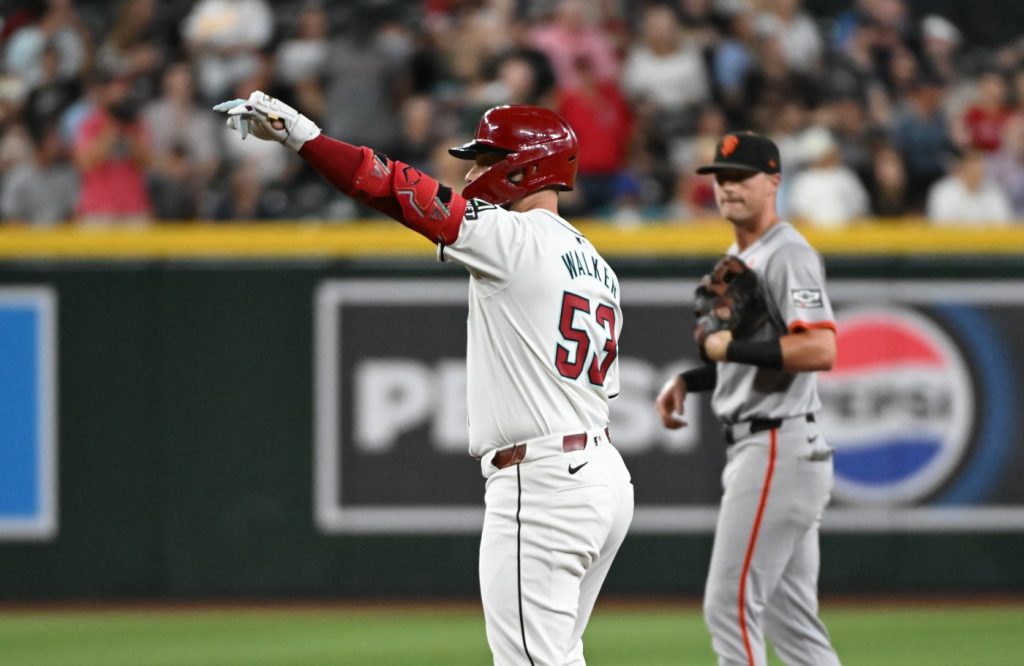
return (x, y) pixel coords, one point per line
(270, 119)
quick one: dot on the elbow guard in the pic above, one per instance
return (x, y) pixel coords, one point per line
(427, 207)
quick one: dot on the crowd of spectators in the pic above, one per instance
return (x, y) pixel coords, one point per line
(105, 107)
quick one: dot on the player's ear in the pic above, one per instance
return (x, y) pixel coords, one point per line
(775, 179)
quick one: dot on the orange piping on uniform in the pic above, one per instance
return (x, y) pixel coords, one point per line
(809, 325)
(773, 438)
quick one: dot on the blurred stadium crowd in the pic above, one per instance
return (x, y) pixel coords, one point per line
(104, 106)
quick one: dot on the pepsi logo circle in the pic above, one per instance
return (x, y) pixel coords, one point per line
(898, 406)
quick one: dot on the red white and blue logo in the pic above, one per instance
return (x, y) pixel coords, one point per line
(899, 407)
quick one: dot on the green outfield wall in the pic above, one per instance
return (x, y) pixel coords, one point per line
(179, 453)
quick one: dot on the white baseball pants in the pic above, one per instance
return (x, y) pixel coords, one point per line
(549, 538)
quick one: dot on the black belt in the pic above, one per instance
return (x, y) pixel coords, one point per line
(759, 425)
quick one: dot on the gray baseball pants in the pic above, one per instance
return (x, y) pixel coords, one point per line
(763, 578)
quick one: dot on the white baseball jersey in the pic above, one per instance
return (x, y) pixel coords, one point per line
(544, 322)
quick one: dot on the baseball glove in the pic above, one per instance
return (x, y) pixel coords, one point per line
(728, 299)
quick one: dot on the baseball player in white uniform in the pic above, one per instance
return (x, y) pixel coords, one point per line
(763, 575)
(542, 359)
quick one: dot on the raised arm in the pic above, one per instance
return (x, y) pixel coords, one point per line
(394, 188)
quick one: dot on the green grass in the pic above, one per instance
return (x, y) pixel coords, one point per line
(454, 636)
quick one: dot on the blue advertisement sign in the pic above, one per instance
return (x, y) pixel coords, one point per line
(28, 429)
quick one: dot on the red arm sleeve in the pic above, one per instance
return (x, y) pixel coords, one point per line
(338, 162)
(395, 189)
(335, 160)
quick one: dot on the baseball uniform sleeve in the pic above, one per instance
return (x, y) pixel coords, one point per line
(795, 282)
(493, 243)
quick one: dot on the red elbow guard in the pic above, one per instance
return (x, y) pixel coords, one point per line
(427, 207)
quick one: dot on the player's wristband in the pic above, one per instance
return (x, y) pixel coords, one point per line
(701, 379)
(766, 354)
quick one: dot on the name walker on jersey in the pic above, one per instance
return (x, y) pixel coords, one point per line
(581, 264)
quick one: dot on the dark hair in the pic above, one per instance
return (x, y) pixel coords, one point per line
(41, 128)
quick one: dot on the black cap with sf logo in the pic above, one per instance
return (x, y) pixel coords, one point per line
(744, 151)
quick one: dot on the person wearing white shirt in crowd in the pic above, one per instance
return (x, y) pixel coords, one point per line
(664, 69)
(224, 37)
(801, 40)
(968, 196)
(827, 193)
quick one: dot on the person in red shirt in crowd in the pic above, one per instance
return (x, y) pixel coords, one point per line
(693, 198)
(599, 114)
(112, 151)
(985, 118)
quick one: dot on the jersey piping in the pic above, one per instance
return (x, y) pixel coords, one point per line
(752, 543)
(519, 559)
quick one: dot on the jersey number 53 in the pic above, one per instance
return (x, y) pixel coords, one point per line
(603, 357)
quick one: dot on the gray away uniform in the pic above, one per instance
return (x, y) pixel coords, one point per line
(764, 566)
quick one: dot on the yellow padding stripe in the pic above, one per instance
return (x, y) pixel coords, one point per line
(387, 239)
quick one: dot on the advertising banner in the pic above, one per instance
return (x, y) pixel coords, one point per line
(922, 408)
(28, 429)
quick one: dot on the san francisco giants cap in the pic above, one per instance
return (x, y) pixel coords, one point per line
(744, 151)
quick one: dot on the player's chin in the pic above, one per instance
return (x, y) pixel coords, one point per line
(734, 212)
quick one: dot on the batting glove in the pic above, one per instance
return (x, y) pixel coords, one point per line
(270, 119)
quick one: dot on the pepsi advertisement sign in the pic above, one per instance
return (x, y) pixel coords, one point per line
(922, 406)
(921, 409)
(898, 406)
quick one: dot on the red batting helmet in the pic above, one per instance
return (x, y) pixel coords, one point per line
(539, 149)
